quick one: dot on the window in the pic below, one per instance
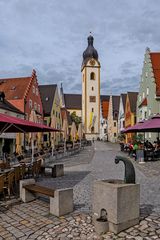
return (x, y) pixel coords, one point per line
(92, 76)
(27, 116)
(33, 89)
(147, 91)
(92, 109)
(92, 88)
(35, 106)
(146, 74)
(30, 103)
(38, 108)
(149, 112)
(45, 122)
(92, 99)
(37, 91)
(92, 129)
(105, 130)
(114, 124)
(140, 99)
(53, 112)
(45, 137)
(145, 115)
(143, 96)
(115, 134)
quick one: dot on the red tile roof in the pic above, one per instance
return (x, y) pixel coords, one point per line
(155, 59)
(15, 88)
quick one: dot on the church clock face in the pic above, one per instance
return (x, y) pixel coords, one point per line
(92, 62)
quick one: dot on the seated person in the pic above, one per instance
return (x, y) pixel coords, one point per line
(135, 147)
(148, 145)
(157, 144)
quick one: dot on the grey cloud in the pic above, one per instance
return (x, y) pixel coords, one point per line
(51, 36)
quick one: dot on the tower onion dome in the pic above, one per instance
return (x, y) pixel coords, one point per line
(90, 51)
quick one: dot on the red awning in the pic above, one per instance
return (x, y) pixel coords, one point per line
(14, 124)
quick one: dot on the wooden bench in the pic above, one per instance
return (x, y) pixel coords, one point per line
(57, 170)
(40, 189)
(61, 200)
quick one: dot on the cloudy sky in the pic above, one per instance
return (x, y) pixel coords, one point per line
(51, 35)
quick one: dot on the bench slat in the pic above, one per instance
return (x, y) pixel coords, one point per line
(40, 189)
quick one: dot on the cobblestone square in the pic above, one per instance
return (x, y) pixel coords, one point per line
(33, 221)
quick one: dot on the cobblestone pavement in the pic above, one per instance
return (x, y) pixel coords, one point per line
(33, 221)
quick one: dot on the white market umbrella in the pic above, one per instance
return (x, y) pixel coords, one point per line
(73, 132)
(19, 143)
(53, 125)
(80, 132)
(65, 132)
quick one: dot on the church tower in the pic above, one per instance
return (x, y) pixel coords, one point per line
(91, 91)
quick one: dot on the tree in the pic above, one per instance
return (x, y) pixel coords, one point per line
(75, 118)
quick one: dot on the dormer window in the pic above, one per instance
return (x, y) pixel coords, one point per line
(92, 76)
(30, 103)
(33, 89)
(35, 106)
(13, 88)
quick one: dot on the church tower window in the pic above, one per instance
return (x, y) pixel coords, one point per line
(92, 76)
(92, 129)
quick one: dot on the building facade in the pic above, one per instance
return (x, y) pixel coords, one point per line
(104, 117)
(148, 102)
(130, 113)
(121, 115)
(113, 118)
(51, 107)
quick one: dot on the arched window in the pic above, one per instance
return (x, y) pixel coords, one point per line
(92, 129)
(92, 76)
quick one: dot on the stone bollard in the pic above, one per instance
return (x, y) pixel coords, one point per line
(58, 170)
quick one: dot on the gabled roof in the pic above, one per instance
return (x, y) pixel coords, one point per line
(9, 107)
(133, 100)
(124, 96)
(14, 88)
(143, 103)
(115, 105)
(104, 97)
(47, 93)
(155, 59)
(73, 101)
